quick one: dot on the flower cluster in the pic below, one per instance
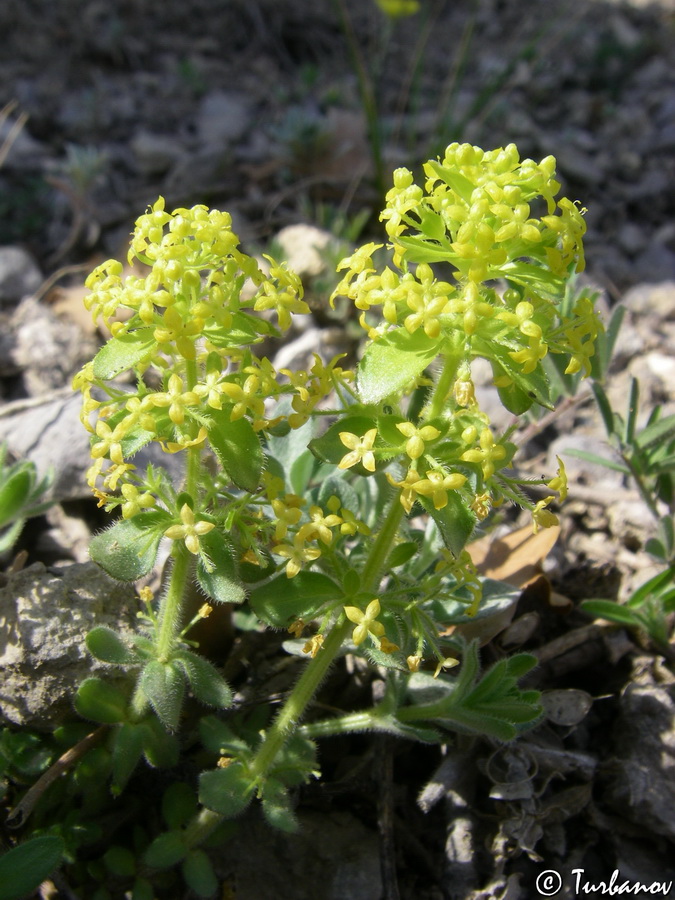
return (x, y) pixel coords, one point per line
(476, 215)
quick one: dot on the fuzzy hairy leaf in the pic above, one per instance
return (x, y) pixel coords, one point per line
(107, 646)
(24, 868)
(100, 701)
(164, 686)
(283, 599)
(393, 362)
(237, 446)
(219, 577)
(123, 352)
(226, 791)
(128, 549)
(206, 683)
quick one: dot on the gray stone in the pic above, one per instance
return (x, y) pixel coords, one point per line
(580, 469)
(302, 247)
(47, 350)
(19, 275)
(643, 784)
(48, 432)
(44, 618)
(223, 117)
(155, 154)
(657, 299)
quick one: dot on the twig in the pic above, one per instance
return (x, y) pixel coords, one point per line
(20, 813)
(385, 821)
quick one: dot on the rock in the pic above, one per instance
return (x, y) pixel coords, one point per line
(44, 618)
(223, 118)
(333, 849)
(155, 154)
(19, 275)
(642, 786)
(631, 238)
(47, 350)
(48, 432)
(580, 469)
(302, 246)
(657, 299)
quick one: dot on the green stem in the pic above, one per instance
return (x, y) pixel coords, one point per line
(358, 721)
(301, 695)
(299, 699)
(170, 609)
(444, 383)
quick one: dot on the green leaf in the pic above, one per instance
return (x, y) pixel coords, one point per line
(401, 553)
(199, 875)
(107, 646)
(128, 549)
(10, 536)
(418, 250)
(330, 449)
(217, 737)
(14, 493)
(166, 850)
(393, 362)
(160, 748)
(452, 177)
(219, 578)
(226, 791)
(126, 753)
(100, 701)
(608, 418)
(123, 352)
(24, 868)
(237, 446)
(661, 431)
(276, 806)
(206, 683)
(532, 387)
(282, 600)
(455, 521)
(120, 861)
(142, 890)
(179, 804)
(164, 686)
(651, 588)
(613, 612)
(599, 460)
(498, 597)
(632, 411)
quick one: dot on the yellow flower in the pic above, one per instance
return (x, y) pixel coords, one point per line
(398, 9)
(445, 664)
(387, 646)
(488, 454)
(175, 398)
(542, 517)
(297, 554)
(319, 526)
(134, 502)
(414, 662)
(437, 484)
(365, 621)
(559, 483)
(313, 645)
(414, 446)
(287, 512)
(407, 486)
(189, 530)
(361, 450)
(296, 628)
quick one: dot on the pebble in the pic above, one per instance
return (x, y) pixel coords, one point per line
(223, 117)
(19, 275)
